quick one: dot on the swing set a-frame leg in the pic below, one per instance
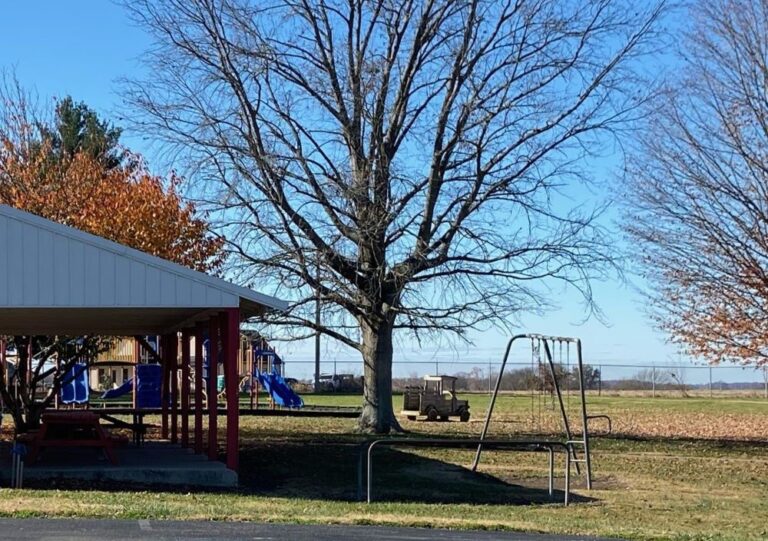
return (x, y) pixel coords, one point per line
(563, 412)
(493, 401)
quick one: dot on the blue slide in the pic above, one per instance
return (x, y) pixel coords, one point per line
(125, 388)
(279, 390)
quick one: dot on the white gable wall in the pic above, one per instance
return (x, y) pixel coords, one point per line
(42, 268)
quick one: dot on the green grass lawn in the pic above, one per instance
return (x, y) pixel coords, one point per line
(686, 482)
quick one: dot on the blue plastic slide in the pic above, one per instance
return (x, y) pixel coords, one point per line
(125, 388)
(74, 386)
(279, 390)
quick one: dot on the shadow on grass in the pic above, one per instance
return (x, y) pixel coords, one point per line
(329, 471)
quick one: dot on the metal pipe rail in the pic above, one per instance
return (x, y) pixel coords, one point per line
(366, 451)
(607, 419)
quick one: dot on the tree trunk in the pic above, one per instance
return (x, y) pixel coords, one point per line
(17, 414)
(378, 416)
(20, 403)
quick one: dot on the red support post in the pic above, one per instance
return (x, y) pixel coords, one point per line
(223, 360)
(255, 385)
(231, 342)
(30, 368)
(185, 336)
(57, 396)
(136, 360)
(257, 361)
(165, 392)
(249, 364)
(199, 337)
(4, 368)
(213, 405)
(174, 353)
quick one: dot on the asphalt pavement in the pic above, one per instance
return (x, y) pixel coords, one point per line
(118, 530)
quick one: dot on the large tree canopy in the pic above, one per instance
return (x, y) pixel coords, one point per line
(402, 161)
(699, 200)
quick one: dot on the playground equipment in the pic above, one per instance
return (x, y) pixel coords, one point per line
(436, 399)
(547, 344)
(267, 372)
(267, 360)
(149, 381)
(280, 392)
(569, 444)
(148, 388)
(74, 386)
(123, 389)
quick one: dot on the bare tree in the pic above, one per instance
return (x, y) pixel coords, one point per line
(42, 366)
(420, 154)
(699, 201)
(649, 378)
(677, 374)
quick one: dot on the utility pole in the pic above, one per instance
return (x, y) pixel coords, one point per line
(489, 378)
(317, 330)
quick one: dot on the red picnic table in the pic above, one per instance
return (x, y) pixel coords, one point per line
(71, 429)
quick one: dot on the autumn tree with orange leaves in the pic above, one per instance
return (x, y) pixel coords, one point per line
(71, 170)
(698, 208)
(126, 204)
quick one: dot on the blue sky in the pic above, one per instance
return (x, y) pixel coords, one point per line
(83, 47)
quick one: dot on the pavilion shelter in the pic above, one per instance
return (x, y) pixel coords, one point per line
(57, 280)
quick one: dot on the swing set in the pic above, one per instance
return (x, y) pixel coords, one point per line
(548, 377)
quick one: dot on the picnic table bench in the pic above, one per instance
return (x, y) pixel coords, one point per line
(137, 425)
(71, 429)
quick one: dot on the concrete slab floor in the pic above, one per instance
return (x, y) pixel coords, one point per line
(154, 463)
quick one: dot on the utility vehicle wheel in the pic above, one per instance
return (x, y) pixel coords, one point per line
(443, 418)
(464, 416)
(432, 414)
(411, 417)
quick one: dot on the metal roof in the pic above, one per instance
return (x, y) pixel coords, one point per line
(55, 279)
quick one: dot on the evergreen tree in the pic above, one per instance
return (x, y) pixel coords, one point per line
(77, 128)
